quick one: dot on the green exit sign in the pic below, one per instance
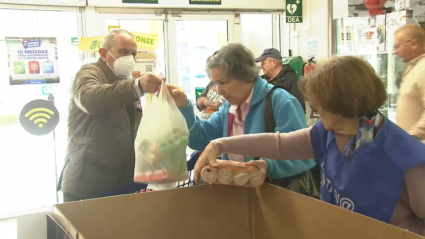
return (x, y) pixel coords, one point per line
(198, 92)
(140, 1)
(74, 41)
(294, 11)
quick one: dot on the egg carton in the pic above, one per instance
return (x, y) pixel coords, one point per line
(232, 173)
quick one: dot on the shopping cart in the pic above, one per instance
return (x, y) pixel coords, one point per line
(190, 166)
(139, 187)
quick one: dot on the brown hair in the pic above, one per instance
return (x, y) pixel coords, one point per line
(345, 85)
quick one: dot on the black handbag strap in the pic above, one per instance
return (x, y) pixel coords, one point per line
(269, 120)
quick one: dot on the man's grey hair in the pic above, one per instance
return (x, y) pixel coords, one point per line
(109, 40)
(236, 60)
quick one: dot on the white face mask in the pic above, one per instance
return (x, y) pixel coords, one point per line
(124, 65)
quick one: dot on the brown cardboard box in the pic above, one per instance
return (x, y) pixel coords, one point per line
(217, 212)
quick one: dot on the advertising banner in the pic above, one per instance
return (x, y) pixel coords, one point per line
(146, 58)
(32, 60)
(146, 61)
(144, 41)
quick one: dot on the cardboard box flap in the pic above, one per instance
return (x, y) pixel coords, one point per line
(279, 213)
(58, 217)
(55, 229)
(211, 212)
(195, 212)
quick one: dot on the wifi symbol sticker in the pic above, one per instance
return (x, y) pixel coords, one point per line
(39, 117)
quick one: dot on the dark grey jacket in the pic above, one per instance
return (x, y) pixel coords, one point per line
(102, 126)
(288, 79)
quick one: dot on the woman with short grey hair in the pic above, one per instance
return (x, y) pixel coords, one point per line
(235, 73)
(238, 62)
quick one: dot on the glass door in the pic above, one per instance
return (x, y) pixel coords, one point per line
(29, 164)
(196, 37)
(184, 43)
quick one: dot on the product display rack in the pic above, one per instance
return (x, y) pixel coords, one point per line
(372, 40)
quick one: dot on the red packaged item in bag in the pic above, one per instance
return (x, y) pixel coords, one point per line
(232, 173)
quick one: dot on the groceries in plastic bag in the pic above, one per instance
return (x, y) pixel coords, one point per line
(161, 141)
(232, 173)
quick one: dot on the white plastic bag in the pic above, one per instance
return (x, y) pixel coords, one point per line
(161, 141)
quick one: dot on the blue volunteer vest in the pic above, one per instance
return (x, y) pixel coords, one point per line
(370, 180)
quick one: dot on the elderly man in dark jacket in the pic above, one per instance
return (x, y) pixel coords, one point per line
(103, 120)
(278, 74)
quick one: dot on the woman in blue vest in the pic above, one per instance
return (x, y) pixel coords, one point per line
(369, 165)
(235, 73)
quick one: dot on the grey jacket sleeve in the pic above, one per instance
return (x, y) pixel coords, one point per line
(92, 97)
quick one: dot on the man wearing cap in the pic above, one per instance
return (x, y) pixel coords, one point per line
(278, 74)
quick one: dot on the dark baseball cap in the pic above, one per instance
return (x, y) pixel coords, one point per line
(271, 52)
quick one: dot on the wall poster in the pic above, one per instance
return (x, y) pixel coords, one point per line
(32, 60)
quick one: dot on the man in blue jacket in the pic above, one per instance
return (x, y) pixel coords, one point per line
(234, 70)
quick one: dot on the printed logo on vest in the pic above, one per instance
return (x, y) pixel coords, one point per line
(329, 190)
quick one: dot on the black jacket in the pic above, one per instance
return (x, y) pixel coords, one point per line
(288, 79)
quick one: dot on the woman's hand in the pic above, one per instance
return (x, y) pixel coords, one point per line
(208, 157)
(178, 95)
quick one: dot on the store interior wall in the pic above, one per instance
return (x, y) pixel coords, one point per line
(256, 32)
(315, 26)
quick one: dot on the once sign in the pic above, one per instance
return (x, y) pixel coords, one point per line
(294, 11)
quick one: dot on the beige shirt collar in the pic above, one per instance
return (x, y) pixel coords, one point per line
(409, 65)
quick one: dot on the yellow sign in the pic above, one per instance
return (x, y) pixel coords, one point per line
(111, 28)
(145, 55)
(143, 40)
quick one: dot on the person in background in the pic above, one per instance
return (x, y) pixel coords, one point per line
(369, 165)
(235, 73)
(409, 45)
(209, 101)
(278, 74)
(103, 120)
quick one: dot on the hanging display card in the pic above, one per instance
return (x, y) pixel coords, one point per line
(32, 60)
